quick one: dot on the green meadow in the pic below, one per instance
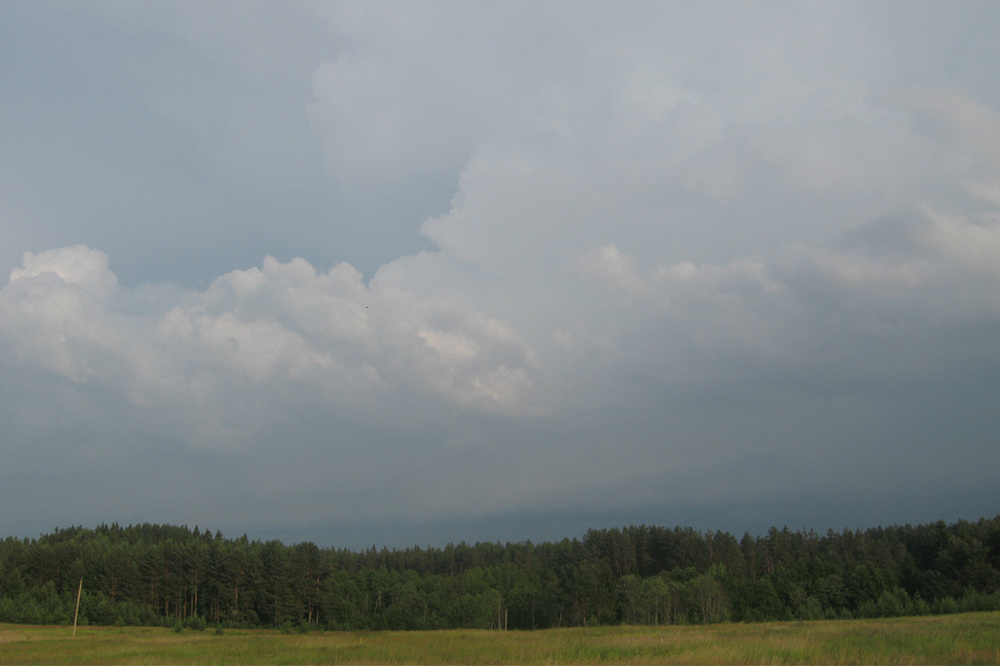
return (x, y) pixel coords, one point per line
(970, 638)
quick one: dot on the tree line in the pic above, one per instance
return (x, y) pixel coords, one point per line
(169, 575)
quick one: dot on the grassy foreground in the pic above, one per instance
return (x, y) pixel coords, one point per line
(972, 638)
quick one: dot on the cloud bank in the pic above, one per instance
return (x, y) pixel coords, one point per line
(688, 264)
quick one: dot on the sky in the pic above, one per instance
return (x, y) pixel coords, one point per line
(396, 274)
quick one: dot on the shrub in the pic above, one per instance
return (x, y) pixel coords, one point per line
(197, 623)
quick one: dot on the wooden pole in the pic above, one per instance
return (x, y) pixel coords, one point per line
(76, 615)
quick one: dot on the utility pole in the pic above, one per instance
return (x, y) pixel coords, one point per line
(76, 615)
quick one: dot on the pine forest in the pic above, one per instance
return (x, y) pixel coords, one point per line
(175, 576)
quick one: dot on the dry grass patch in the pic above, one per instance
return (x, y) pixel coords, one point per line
(958, 639)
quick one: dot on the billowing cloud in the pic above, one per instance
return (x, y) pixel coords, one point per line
(381, 264)
(283, 326)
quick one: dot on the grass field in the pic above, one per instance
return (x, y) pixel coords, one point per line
(972, 638)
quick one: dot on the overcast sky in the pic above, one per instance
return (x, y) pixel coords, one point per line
(398, 274)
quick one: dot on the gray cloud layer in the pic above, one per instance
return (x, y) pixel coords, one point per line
(408, 272)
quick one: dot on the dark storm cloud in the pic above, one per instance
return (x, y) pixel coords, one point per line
(409, 272)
